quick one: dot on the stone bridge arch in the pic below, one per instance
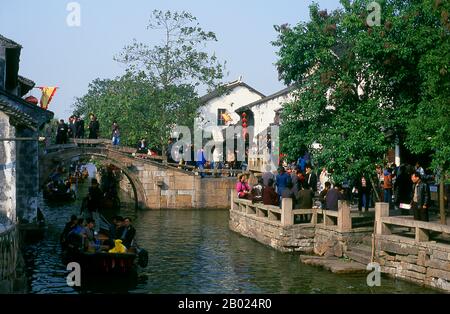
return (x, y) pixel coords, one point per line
(48, 162)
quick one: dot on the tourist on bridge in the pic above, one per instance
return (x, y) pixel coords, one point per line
(282, 180)
(257, 192)
(387, 186)
(305, 201)
(402, 188)
(334, 195)
(201, 161)
(267, 175)
(364, 190)
(242, 187)
(79, 124)
(270, 197)
(142, 147)
(310, 179)
(323, 195)
(94, 127)
(420, 197)
(72, 127)
(61, 133)
(115, 134)
(324, 177)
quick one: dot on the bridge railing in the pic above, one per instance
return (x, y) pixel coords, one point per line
(342, 219)
(386, 225)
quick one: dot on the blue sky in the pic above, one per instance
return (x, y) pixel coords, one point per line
(55, 54)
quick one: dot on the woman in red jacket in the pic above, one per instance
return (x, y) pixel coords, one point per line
(242, 187)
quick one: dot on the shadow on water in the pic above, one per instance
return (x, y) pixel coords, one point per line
(191, 251)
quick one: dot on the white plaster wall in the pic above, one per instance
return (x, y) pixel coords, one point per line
(237, 98)
(264, 113)
(8, 174)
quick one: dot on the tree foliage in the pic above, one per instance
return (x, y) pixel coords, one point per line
(159, 88)
(359, 84)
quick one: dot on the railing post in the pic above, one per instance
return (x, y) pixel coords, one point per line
(327, 221)
(344, 220)
(287, 217)
(233, 205)
(422, 235)
(314, 216)
(381, 210)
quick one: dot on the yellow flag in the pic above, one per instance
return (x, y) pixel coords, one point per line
(47, 95)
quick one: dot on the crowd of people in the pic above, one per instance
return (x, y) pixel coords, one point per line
(75, 129)
(404, 188)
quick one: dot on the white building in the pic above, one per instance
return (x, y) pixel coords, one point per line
(225, 100)
(265, 112)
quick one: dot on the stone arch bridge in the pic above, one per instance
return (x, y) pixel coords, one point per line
(155, 185)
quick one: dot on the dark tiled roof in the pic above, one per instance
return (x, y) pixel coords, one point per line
(226, 88)
(25, 84)
(17, 116)
(26, 81)
(16, 104)
(8, 43)
(282, 92)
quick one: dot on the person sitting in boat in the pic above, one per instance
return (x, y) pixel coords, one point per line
(116, 229)
(67, 229)
(57, 175)
(128, 232)
(74, 240)
(88, 234)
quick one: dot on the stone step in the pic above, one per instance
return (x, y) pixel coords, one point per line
(362, 258)
(361, 249)
(334, 264)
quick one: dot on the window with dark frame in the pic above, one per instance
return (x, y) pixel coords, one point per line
(220, 119)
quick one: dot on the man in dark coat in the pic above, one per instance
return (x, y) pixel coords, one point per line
(128, 233)
(61, 133)
(402, 188)
(333, 196)
(310, 179)
(79, 127)
(420, 197)
(94, 127)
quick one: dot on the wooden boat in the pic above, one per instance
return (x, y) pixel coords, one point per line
(97, 259)
(58, 194)
(102, 262)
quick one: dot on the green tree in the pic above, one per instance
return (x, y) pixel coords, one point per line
(358, 83)
(159, 89)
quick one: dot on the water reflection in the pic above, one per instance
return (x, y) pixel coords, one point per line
(192, 252)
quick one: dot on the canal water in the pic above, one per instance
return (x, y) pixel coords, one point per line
(192, 251)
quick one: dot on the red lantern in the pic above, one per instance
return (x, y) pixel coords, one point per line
(244, 115)
(32, 100)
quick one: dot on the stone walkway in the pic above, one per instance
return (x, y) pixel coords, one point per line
(334, 264)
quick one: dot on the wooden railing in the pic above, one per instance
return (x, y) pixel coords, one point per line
(385, 224)
(342, 218)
